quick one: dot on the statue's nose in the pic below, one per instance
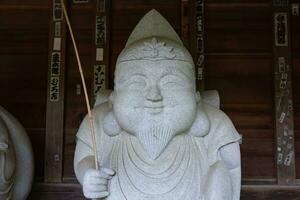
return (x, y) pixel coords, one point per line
(153, 94)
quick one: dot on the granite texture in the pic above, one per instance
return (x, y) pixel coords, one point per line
(156, 137)
(16, 159)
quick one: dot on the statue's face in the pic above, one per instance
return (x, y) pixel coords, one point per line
(154, 100)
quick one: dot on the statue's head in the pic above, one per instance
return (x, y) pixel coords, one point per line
(154, 96)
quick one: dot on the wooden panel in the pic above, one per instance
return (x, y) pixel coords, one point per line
(197, 40)
(37, 138)
(55, 95)
(100, 47)
(237, 27)
(82, 22)
(23, 68)
(269, 192)
(249, 192)
(296, 95)
(284, 117)
(70, 143)
(56, 192)
(239, 65)
(295, 37)
(238, 62)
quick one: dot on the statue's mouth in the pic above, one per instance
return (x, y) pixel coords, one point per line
(154, 107)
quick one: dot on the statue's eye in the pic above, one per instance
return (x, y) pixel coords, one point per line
(172, 82)
(136, 83)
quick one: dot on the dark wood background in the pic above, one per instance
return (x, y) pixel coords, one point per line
(239, 64)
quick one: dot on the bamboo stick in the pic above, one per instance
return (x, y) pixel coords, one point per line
(90, 115)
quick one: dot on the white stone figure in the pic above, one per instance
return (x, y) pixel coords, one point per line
(156, 139)
(16, 159)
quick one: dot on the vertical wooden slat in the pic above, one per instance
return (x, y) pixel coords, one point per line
(100, 47)
(197, 40)
(55, 95)
(185, 26)
(283, 94)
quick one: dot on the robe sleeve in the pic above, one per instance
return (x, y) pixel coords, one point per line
(223, 133)
(83, 143)
(104, 142)
(84, 133)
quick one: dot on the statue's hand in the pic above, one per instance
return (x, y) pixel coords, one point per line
(95, 183)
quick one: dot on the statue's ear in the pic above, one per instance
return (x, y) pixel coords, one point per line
(110, 125)
(201, 125)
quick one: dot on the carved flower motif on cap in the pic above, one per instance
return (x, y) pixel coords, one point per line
(153, 50)
(157, 49)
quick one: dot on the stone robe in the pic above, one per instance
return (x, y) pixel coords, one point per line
(16, 159)
(185, 161)
(7, 164)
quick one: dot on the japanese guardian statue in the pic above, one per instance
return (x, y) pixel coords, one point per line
(16, 159)
(157, 139)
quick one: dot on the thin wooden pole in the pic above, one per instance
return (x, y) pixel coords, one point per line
(90, 115)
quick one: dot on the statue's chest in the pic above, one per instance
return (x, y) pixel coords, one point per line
(176, 174)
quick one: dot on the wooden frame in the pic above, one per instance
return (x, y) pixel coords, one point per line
(197, 40)
(100, 56)
(284, 117)
(55, 95)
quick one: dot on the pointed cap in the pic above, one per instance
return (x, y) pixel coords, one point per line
(153, 24)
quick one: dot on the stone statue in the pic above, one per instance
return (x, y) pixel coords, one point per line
(156, 138)
(16, 159)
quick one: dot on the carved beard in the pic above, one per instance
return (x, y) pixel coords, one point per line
(154, 138)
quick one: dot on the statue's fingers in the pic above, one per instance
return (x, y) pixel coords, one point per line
(96, 188)
(93, 172)
(95, 195)
(108, 171)
(96, 180)
(105, 175)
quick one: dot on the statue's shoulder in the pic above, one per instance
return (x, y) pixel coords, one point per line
(209, 118)
(215, 115)
(100, 111)
(221, 125)
(211, 106)
(98, 114)
(222, 131)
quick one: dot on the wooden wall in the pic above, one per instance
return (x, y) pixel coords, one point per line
(23, 68)
(238, 63)
(295, 29)
(238, 46)
(75, 110)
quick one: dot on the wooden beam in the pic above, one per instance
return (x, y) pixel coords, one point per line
(100, 58)
(284, 118)
(185, 26)
(197, 40)
(55, 95)
(248, 192)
